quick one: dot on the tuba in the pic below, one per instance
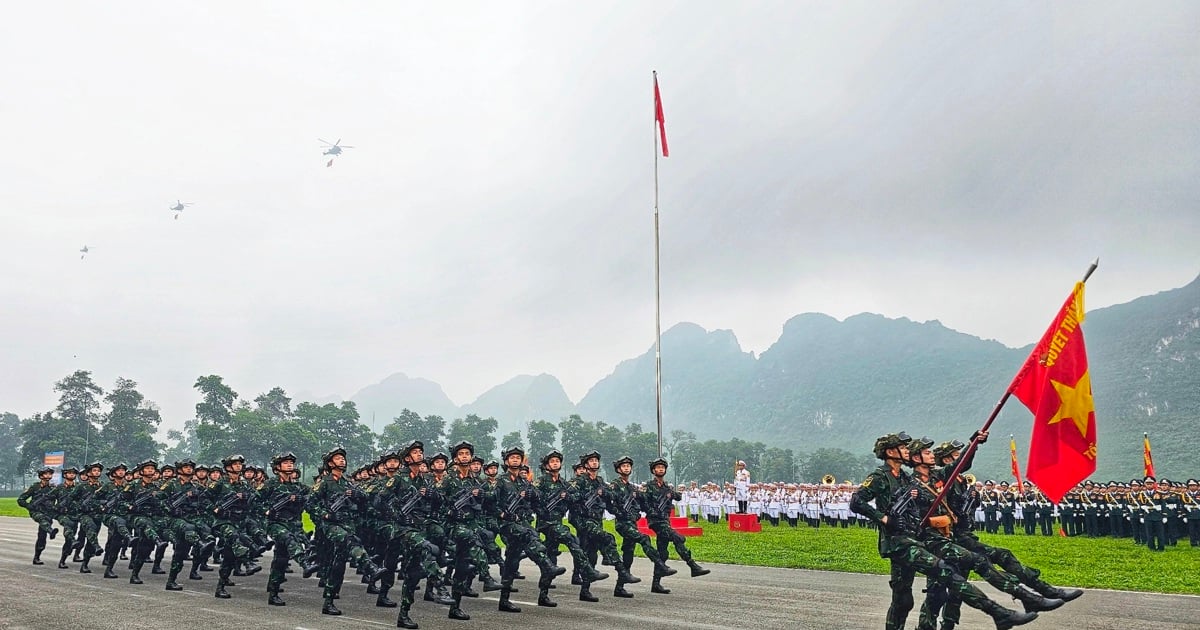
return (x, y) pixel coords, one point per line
(828, 480)
(969, 478)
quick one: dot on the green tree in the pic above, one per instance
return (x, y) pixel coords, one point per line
(409, 426)
(70, 428)
(481, 432)
(334, 425)
(127, 430)
(10, 449)
(509, 440)
(540, 435)
(642, 446)
(678, 449)
(217, 400)
(578, 437)
(274, 406)
(185, 445)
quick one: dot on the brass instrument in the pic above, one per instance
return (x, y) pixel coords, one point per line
(969, 478)
(828, 480)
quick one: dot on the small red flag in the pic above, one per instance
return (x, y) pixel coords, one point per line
(659, 117)
(1056, 386)
(1147, 459)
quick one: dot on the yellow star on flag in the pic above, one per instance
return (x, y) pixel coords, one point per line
(1076, 404)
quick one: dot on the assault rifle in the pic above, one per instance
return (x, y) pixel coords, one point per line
(87, 503)
(629, 501)
(404, 504)
(141, 499)
(587, 505)
(553, 503)
(112, 501)
(896, 511)
(664, 502)
(281, 502)
(233, 497)
(41, 498)
(178, 499)
(340, 502)
(465, 497)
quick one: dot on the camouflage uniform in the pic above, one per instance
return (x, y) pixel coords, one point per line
(517, 498)
(39, 500)
(624, 502)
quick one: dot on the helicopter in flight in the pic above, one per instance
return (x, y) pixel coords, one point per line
(83, 251)
(178, 207)
(334, 148)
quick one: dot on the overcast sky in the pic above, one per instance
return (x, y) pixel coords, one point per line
(953, 161)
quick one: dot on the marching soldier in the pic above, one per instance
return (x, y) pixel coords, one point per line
(555, 493)
(333, 504)
(622, 499)
(67, 512)
(181, 508)
(38, 499)
(144, 508)
(86, 499)
(284, 498)
(231, 499)
(657, 498)
(114, 511)
(464, 501)
(516, 499)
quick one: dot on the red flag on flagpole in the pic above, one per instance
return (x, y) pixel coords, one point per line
(659, 117)
(1147, 459)
(1016, 469)
(1056, 386)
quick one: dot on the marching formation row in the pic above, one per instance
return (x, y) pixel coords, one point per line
(432, 519)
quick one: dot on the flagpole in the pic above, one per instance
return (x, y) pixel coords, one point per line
(966, 456)
(657, 285)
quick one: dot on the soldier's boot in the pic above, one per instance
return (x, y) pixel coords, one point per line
(662, 570)
(194, 574)
(372, 589)
(157, 569)
(382, 601)
(37, 556)
(328, 608)
(273, 599)
(544, 598)
(109, 573)
(620, 591)
(624, 576)
(1034, 602)
(456, 611)
(948, 625)
(220, 592)
(657, 587)
(469, 591)
(576, 580)
(585, 594)
(62, 560)
(372, 570)
(1051, 592)
(83, 567)
(506, 604)
(1006, 618)
(403, 620)
(697, 570)
(134, 578)
(430, 594)
(172, 585)
(78, 548)
(53, 532)
(489, 584)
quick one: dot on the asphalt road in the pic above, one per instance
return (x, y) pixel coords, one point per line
(46, 598)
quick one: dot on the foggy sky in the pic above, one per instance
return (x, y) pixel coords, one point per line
(953, 161)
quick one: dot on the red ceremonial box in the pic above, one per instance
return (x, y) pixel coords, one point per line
(744, 523)
(678, 523)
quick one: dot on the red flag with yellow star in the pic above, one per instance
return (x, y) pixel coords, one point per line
(1056, 386)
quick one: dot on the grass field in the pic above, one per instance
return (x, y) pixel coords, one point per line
(1084, 562)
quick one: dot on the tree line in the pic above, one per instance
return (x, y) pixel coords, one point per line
(120, 425)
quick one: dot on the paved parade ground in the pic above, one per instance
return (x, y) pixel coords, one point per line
(47, 598)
